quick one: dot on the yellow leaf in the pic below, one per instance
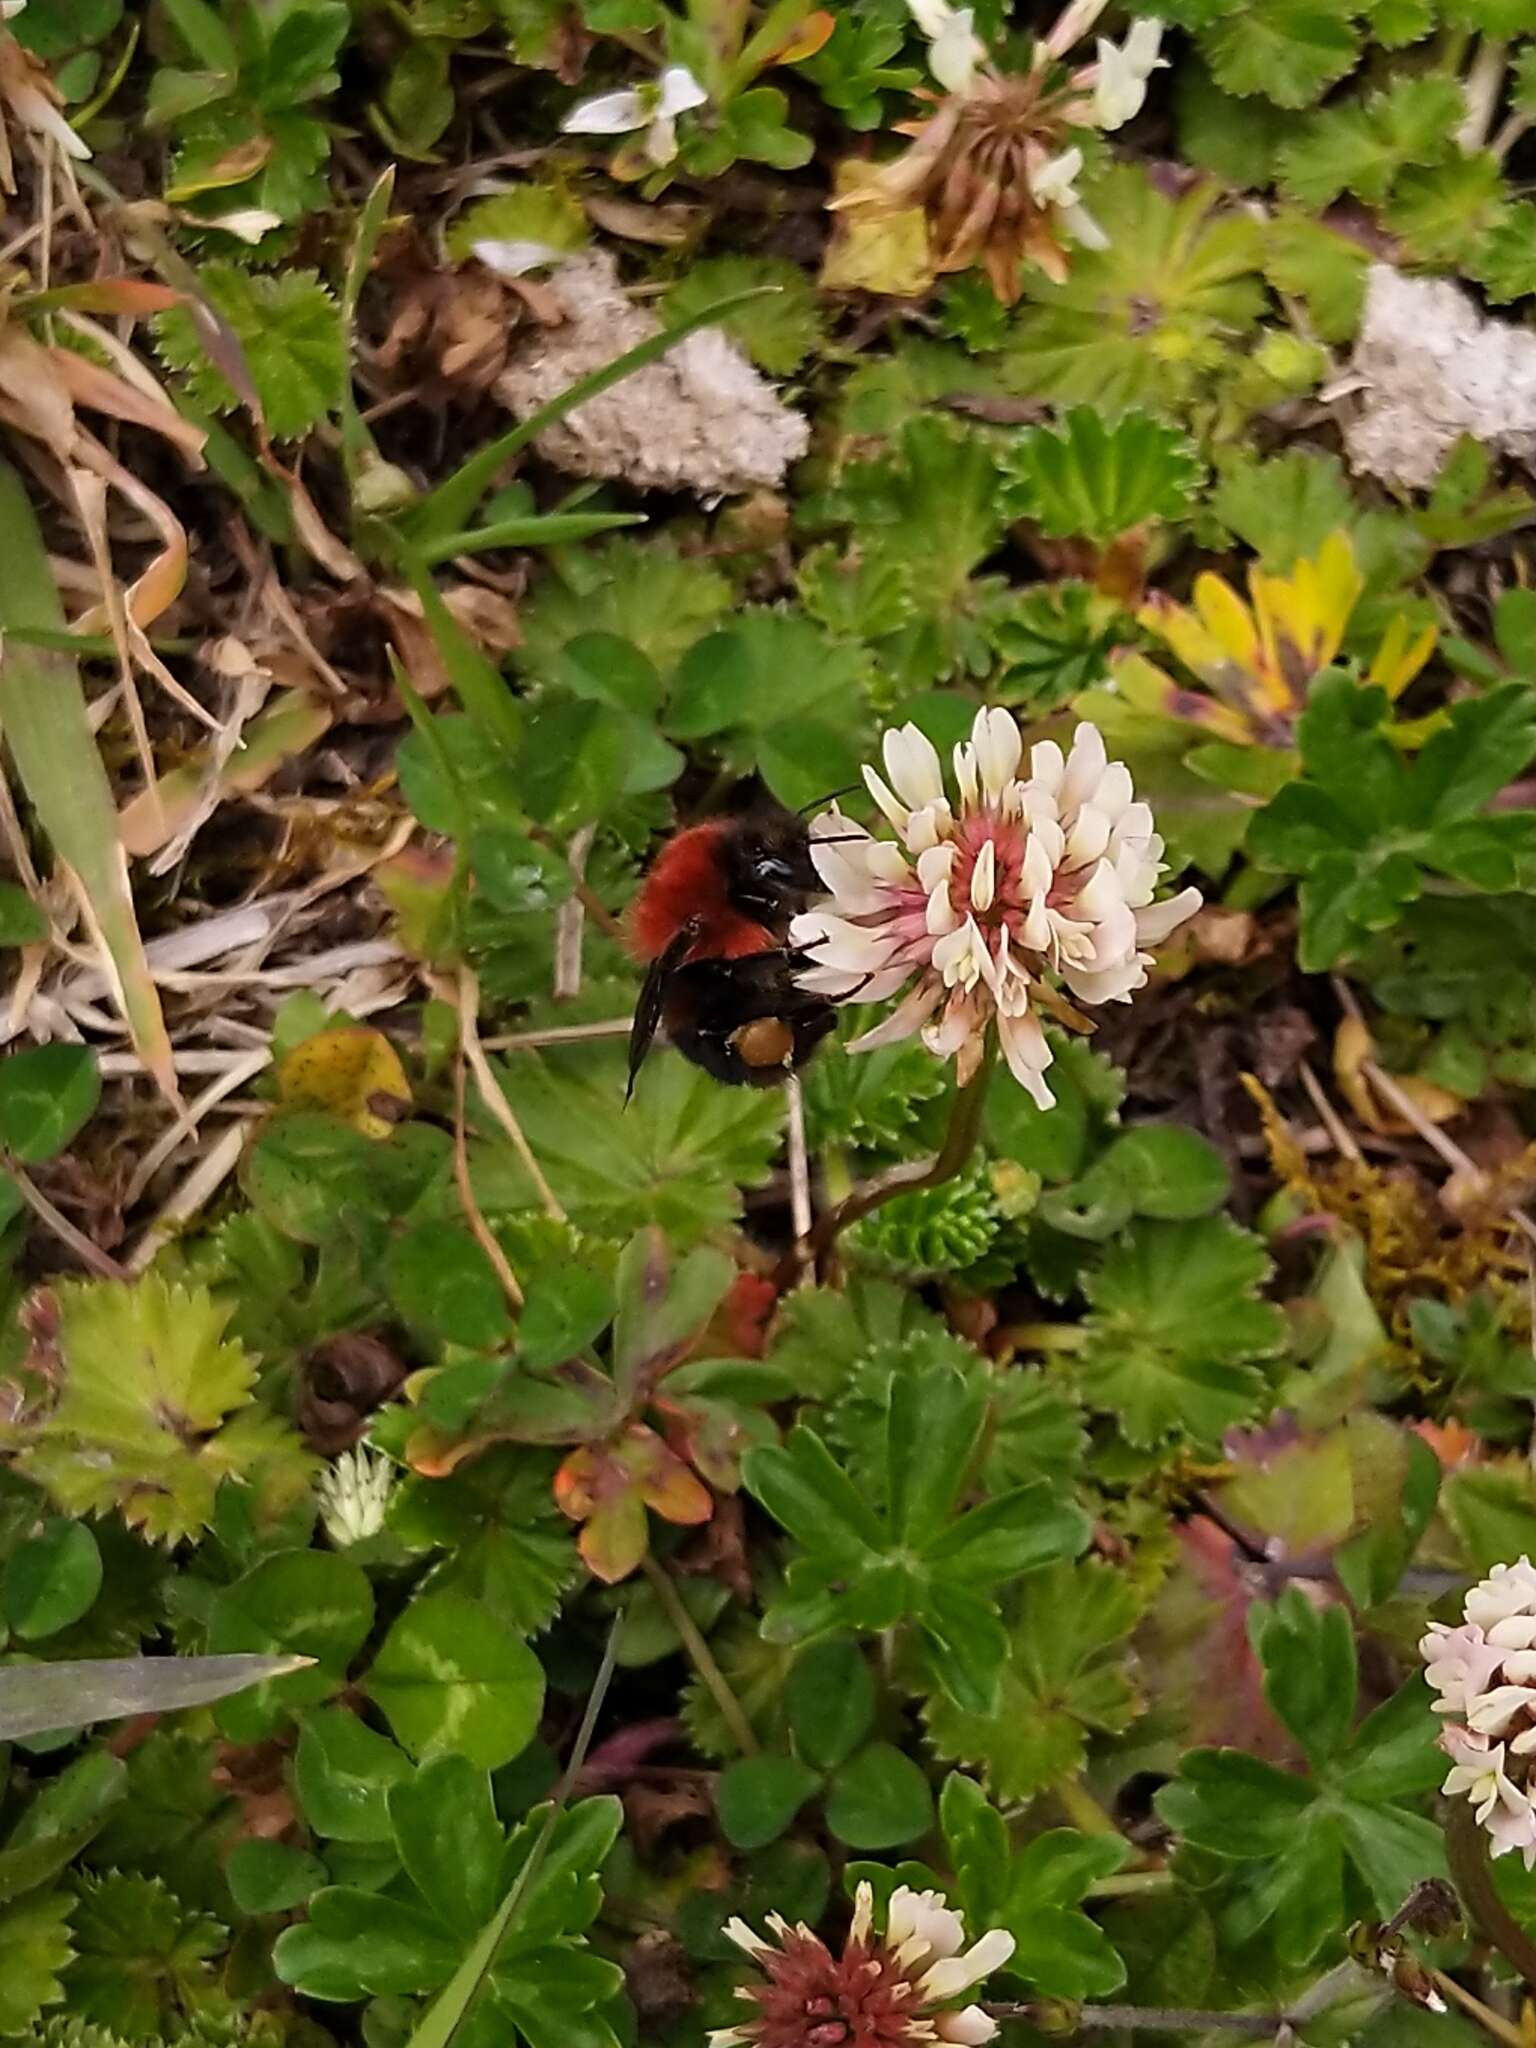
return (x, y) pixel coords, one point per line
(876, 247)
(1353, 1048)
(1399, 659)
(353, 1073)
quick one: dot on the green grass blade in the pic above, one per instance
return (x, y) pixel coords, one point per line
(37, 1697)
(449, 506)
(43, 719)
(538, 530)
(477, 683)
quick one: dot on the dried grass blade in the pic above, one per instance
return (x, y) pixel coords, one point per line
(43, 716)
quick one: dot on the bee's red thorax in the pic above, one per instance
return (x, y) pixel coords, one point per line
(690, 880)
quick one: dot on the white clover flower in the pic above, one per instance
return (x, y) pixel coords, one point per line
(954, 48)
(1049, 875)
(1120, 87)
(654, 108)
(1485, 1673)
(354, 1494)
(883, 1990)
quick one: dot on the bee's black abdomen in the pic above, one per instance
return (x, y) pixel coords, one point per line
(719, 1014)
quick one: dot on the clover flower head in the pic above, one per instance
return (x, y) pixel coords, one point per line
(882, 1991)
(1484, 1670)
(653, 107)
(983, 902)
(354, 1494)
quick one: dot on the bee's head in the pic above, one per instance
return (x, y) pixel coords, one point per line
(770, 869)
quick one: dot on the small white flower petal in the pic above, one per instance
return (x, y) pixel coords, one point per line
(999, 747)
(912, 766)
(955, 52)
(968, 2028)
(959, 1973)
(747, 1938)
(1083, 228)
(984, 878)
(679, 91)
(661, 140)
(1160, 920)
(897, 813)
(1054, 183)
(908, 1017)
(610, 113)
(863, 1913)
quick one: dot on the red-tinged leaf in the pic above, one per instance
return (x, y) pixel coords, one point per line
(811, 36)
(615, 1540)
(131, 295)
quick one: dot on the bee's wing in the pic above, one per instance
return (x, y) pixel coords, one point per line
(653, 999)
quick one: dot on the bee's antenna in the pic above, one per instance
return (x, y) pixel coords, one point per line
(831, 797)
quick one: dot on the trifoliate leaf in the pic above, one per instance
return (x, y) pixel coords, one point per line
(1288, 51)
(139, 1410)
(1145, 321)
(538, 216)
(141, 1964)
(1174, 1326)
(778, 333)
(1089, 478)
(1504, 262)
(1067, 1673)
(47, 1095)
(34, 1940)
(1442, 214)
(290, 331)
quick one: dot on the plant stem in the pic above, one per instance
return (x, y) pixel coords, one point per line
(1490, 2022)
(1082, 1809)
(701, 1657)
(965, 1116)
(1466, 1848)
(1154, 2019)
